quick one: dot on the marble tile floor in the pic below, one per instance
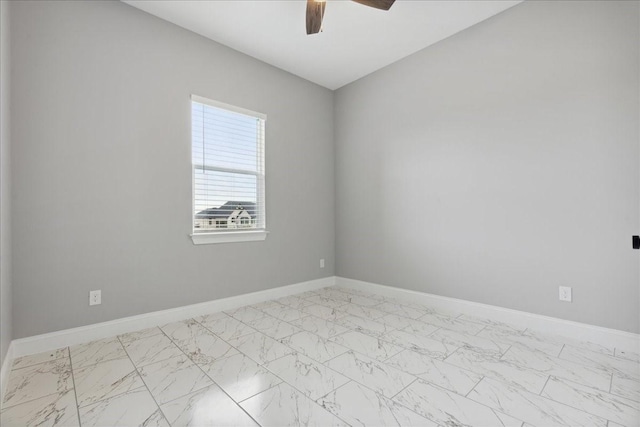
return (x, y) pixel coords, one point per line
(331, 357)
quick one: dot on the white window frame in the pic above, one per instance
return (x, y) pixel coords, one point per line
(239, 235)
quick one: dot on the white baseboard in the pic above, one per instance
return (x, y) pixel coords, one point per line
(6, 369)
(69, 337)
(537, 322)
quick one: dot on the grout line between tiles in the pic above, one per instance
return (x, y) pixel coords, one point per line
(452, 353)
(545, 384)
(144, 382)
(214, 382)
(282, 380)
(562, 348)
(474, 386)
(403, 388)
(260, 392)
(611, 383)
(525, 392)
(476, 334)
(75, 393)
(3, 408)
(505, 352)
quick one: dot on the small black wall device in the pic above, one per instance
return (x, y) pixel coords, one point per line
(636, 242)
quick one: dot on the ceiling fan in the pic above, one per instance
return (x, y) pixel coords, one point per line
(315, 11)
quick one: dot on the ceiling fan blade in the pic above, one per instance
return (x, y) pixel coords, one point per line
(378, 4)
(315, 13)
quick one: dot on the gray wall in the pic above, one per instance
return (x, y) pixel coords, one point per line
(102, 174)
(500, 164)
(6, 332)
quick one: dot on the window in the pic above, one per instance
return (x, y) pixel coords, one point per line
(227, 145)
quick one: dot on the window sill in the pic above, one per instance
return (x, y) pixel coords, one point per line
(228, 237)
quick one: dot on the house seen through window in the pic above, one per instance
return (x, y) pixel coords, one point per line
(228, 167)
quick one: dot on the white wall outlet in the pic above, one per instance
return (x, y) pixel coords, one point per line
(321, 262)
(95, 297)
(565, 293)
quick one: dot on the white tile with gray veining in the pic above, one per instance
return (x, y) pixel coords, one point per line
(593, 401)
(416, 327)
(361, 300)
(367, 344)
(452, 323)
(227, 327)
(135, 408)
(450, 409)
(400, 322)
(360, 406)
(627, 354)
(35, 359)
(509, 336)
(314, 346)
(37, 381)
(286, 314)
(622, 367)
(326, 301)
(307, 294)
(294, 302)
(273, 327)
(530, 407)
(501, 370)
(240, 377)
(104, 380)
(352, 291)
(183, 330)
(460, 339)
(400, 310)
(213, 317)
(260, 347)
(367, 312)
(205, 347)
(625, 387)
(245, 314)
(96, 352)
(283, 405)
(172, 378)
(335, 293)
(155, 348)
(581, 344)
(136, 335)
(419, 343)
(318, 326)
(268, 304)
(435, 371)
(490, 322)
(379, 377)
(58, 409)
(323, 312)
(208, 407)
(311, 378)
(549, 365)
(362, 324)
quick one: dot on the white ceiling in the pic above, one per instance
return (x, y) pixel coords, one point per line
(356, 39)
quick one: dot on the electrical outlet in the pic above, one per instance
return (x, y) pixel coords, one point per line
(565, 293)
(95, 297)
(321, 262)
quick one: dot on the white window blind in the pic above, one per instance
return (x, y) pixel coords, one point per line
(228, 167)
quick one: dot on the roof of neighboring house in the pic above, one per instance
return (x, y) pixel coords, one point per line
(227, 209)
